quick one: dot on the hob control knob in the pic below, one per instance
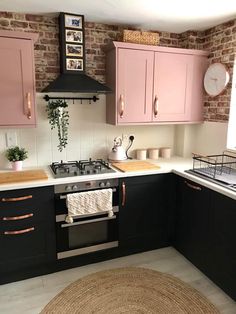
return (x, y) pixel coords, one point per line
(68, 188)
(102, 184)
(108, 184)
(74, 187)
(88, 171)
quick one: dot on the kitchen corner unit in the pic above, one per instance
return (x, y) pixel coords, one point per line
(153, 84)
(17, 79)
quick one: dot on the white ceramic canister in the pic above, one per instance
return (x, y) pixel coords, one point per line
(153, 153)
(141, 154)
(165, 152)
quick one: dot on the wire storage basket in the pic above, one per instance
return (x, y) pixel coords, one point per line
(215, 166)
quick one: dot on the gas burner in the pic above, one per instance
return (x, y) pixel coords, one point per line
(82, 167)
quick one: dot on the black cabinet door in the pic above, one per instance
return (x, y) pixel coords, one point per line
(192, 222)
(27, 228)
(145, 212)
(222, 249)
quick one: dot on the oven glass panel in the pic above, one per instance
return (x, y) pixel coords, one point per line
(92, 233)
(89, 234)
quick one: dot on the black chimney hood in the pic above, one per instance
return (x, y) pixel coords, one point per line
(79, 83)
(72, 59)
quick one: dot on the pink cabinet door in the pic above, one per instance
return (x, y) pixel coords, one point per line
(134, 86)
(172, 81)
(17, 95)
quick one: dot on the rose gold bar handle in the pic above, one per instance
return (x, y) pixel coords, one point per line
(123, 194)
(122, 106)
(195, 187)
(156, 106)
(18, 217)
(16, 199)
(18, 231)
(29, 116)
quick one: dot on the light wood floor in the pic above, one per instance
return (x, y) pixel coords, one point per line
(30, 296)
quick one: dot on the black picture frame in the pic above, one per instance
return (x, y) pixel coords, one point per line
(72, 49)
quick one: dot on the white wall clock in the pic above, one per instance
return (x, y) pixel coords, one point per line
(216, 79)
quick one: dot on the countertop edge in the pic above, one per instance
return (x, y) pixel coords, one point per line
(176, 165)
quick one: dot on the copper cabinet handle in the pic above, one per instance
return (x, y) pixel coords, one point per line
(16, 199)
(29, 116)
(18, 217)
(155, 106)
(122, 106)
(123, 194)
(18, 231)
(195, 187)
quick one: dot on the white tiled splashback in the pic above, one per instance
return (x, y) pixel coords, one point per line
(89, 135)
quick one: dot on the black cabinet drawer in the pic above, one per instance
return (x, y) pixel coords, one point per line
(26, 201)
(23, 247)
(27, 230)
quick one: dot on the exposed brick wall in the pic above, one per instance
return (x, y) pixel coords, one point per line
(191, 40)
(219, 40)
(97, 37)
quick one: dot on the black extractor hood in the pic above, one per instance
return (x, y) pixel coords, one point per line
(72, 59)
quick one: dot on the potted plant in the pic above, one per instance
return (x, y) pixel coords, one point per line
(16, 155)
(58, 117)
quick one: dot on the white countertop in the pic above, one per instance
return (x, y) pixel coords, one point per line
(177, 165)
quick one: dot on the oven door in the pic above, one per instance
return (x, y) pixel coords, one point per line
(88, 233)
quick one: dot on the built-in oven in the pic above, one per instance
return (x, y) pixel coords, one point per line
(89, 232)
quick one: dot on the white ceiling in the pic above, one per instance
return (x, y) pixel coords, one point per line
(163, 15)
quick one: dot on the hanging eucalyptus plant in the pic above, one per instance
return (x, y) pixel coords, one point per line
(59, 117)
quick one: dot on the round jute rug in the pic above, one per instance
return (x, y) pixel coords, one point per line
(129, 290)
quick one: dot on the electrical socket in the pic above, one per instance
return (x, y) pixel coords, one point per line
(11, 139)
(124, 137)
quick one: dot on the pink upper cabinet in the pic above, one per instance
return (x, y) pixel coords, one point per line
(134, 85)
(17, 80)
(153, 84)
(172, 75)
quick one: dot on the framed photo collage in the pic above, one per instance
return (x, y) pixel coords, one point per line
(72, 42)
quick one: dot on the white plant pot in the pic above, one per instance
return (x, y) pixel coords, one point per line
(17, 165)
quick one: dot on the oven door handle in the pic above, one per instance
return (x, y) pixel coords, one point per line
(63, 197)
(87, 221)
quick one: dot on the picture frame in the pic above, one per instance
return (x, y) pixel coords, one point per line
(72, 48)
(73, 64)
(73, 21)
(74, 36)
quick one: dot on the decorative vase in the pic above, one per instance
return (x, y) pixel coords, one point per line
(17, 165)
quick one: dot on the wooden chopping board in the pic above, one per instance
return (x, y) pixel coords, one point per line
(21, 176)
(134, 166)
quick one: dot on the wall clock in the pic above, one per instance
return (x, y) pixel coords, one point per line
(216, 79)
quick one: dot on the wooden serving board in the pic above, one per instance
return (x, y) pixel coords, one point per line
(134, 166)
(21, 176)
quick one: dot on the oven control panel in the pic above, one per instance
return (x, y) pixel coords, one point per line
(85, 186)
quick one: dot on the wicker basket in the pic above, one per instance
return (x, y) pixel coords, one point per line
(138, 37)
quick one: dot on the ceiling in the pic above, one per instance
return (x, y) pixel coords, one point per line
(163, 15)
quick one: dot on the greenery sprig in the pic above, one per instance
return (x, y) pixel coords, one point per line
(59, 117)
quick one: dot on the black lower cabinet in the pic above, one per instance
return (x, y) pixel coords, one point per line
(27, 233)
(205, 232)
(222, 243)
(145, 213)
(192, 221)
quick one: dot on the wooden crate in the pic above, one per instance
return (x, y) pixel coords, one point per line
(139, 37)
